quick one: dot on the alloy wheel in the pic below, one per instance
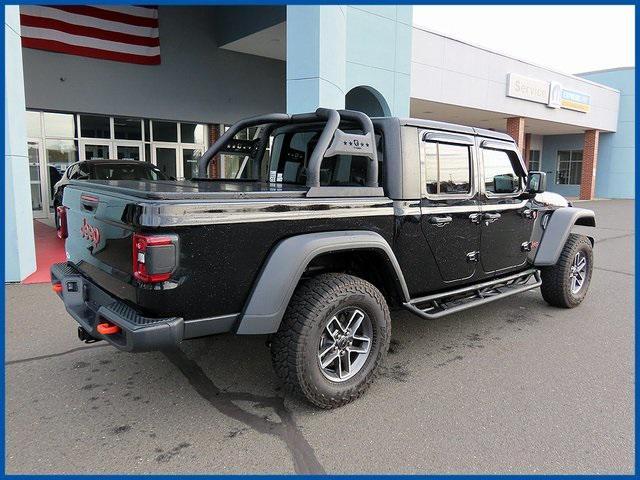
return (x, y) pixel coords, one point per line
(345, 344)
(578, 272)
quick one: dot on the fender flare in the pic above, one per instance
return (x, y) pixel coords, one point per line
(557, 232)
(285, 265)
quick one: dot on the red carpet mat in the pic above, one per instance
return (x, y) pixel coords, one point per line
(49, 250)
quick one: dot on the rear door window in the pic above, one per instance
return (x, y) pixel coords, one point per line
(447, 169)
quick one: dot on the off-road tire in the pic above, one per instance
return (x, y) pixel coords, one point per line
(556, 281)
(294, 346)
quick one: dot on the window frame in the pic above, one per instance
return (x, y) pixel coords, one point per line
(539, 161)
(511, 152)
(429, 136)
(571, 161)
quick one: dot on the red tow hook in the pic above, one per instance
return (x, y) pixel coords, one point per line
(57, 287)
(107, 328)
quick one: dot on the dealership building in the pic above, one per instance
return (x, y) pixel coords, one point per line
(217, 64)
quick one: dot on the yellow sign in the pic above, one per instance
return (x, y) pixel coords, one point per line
(575, 101)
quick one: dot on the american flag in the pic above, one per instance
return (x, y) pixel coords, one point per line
(120, 33)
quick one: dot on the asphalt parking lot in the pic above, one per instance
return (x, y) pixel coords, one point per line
(512, 387)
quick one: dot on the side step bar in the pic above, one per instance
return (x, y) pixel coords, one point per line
(445, 303)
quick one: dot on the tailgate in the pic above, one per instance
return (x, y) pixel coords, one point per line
(99, 242)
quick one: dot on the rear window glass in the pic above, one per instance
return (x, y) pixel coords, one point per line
(290, 155)
(126, 172)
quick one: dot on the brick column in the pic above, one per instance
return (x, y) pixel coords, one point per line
(214, 134)
(527, 149)
(589, 162)
(515, 128)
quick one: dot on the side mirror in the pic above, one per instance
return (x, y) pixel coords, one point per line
(536, 182)
(505, 184)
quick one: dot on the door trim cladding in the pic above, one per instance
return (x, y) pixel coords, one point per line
(557, 231)
(285, 265)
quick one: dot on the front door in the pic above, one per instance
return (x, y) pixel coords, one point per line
(165, 157)
(128, 151)
(507, 222)
(449, 206)
(92, 149)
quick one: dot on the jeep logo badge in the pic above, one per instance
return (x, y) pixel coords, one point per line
(90, 233)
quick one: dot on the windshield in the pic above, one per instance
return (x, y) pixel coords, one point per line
(115, 171)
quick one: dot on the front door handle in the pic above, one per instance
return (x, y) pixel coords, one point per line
(440, 221)
(491, 217)
(475, 217)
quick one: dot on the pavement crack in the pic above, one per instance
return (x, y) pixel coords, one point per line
(614, 271)
(304, 458)
(52, 355)
(605, 239)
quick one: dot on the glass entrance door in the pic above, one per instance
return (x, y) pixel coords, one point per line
(39, 202)
(166, 159)
(95, 150)
(129, 152)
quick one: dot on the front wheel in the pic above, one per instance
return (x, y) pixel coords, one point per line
(334, 336)
(565, 284)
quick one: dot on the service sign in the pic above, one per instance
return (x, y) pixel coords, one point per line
(525, 88)
(551, 93)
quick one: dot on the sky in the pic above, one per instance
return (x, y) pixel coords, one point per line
(569, 39)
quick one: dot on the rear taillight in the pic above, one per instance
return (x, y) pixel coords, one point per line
(63, 232)
(154, 258)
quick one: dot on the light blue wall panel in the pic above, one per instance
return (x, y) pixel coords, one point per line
(615, 175)
(333, 49)
(316, 37)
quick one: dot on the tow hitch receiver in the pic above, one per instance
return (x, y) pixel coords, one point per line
(84, 336)
(106, 328)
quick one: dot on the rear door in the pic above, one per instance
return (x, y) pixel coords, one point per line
(449, 204)
(507, 222)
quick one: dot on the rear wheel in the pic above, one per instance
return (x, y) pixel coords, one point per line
(565, 284)
(334, 336)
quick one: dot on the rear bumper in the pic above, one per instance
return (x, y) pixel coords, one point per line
(89, 305)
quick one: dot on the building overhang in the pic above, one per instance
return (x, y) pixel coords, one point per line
(449, 76)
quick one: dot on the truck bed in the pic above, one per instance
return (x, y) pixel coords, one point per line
(206, 189)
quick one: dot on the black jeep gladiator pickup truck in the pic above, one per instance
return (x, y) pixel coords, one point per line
(332, 219)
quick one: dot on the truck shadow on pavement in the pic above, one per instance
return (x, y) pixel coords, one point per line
(414, 341)
(304, 458)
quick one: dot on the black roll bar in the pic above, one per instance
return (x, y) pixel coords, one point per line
(332, 120)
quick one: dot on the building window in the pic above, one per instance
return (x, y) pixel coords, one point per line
(569, 169)
(534, 160)
(95, 126)
(165, 131)
(127, 128)
(56, 140)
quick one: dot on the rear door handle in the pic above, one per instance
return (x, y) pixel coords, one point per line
(440, 221)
